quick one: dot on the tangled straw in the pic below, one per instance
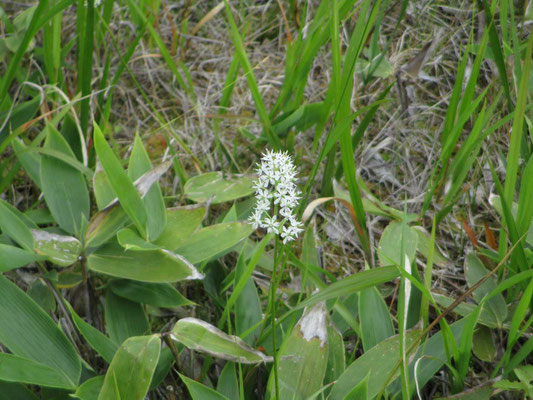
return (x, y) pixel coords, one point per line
(277, 196)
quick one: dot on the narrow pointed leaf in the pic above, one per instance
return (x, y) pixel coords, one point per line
(199, 391)
(129, 199)
(153, 200)
(96, 339)
(352, 284)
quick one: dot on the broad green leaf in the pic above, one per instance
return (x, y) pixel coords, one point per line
(124, 318)
(303, 118)
(153, 200)
(14, 227)
(24, 111)
(464, 309)
(213, 241)
(352, 284)
(247, 305)
(431, 356)
(31, 162)
(181, 224)
(166, 359)
(360, 391)
(155, 294)
(474, 271)
(206, 338)
(336, 355)
(20, 369)
(130, 240)
(382, 70)
(483, 344)
(15, 391)
(228, 383)
(103, 192)
(303, 357)
(64, 187)
(90, 389)
(378, 362)
(390, 244)
(146, 266)
(13, 257)
(32, 334)
(424, 241)
(104, 225)
(42, 295)
(129, 199)
(96, 339)
(376, 322)
(217, 188)
(60, 249)
(132, 368)
(199, 391)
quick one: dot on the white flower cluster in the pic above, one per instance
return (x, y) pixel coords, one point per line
(276, 191)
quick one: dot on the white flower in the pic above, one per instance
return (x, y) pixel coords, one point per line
(276, 191)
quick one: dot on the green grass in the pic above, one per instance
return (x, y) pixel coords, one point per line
(416, 188)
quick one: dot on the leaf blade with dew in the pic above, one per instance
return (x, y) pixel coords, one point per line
(60, 249)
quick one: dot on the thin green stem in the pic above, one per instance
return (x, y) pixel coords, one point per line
(273, 313)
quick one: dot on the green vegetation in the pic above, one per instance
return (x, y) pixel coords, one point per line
(135, 258)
